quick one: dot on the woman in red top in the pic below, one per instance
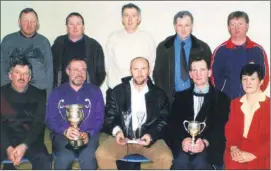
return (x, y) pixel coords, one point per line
(248, 128)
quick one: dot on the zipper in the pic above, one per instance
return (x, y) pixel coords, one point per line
(223, 85)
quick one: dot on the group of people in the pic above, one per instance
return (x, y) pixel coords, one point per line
(152, 92)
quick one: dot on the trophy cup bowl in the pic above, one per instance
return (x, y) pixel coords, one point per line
(74, 115)
(140, 117)
(194, 129)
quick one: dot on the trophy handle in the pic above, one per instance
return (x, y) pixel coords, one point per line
(61, 106)
(184, 122)
(204, 125)
(88, 106)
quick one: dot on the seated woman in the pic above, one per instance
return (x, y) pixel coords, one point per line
(248, 128)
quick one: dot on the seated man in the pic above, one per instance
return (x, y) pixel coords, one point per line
(200, 103)
(134, 96)
(76, 91)
(22, 117)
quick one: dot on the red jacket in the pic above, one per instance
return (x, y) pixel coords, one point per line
(258, 137)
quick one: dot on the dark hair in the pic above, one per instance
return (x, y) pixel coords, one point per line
(140, 58)
(75, 14)
(198, 56)
(238, 14)
(250, 69)
(19, 59)
(28, 10)
(182, 14)
(130, 5)
(76, 59)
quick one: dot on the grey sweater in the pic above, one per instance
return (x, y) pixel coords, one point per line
(38, 51)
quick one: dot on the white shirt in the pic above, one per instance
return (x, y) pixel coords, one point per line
(138, 104)
(198, 100)
(121, 48)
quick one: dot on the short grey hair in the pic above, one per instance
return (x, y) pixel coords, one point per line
(182, 14)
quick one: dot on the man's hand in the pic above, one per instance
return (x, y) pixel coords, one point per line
(186, 144)
(246, 157)
(72, 133)
(84, 136)
(198, 147)
(10, 154)
(120, 138)
(145, 140)
(19, 152)
(236, 153)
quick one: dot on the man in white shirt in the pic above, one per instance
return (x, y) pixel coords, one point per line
(147, 106)
(125, 44)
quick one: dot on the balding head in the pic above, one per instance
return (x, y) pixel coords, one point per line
(140, 70)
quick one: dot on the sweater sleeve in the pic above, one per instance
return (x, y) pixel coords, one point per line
(53, 119)
(49, 66)
(4, 62)
(232, 127)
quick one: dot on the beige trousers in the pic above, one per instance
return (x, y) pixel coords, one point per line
(110, 151)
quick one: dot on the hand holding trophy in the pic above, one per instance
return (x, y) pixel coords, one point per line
(74, 115)
(194, 129)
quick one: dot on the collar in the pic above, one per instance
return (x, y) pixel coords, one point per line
(248, 43)
(126, 80)
(144, 91)
(186, 41)
(80, 89)
(203, 91)
(77, 40)
(20, 32)
(245, 106)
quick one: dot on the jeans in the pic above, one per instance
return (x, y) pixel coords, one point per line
(64, 157)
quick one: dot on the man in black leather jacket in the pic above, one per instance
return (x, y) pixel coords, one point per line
(134, 96)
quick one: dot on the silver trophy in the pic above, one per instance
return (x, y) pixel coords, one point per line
(75, 116)
(140, 118)
(194, 129)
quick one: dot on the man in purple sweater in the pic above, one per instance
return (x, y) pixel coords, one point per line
(76, 91)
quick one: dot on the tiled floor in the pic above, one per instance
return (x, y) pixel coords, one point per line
(27, 166)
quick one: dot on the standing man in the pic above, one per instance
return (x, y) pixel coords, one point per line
(31, 44)
(125, 44)
(202, 103)
(229, 57)
(22, 117)
(75, 43)
(75, 91)
(170, 69)
(134, 96)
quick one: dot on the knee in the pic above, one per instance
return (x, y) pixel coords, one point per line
(102, 152)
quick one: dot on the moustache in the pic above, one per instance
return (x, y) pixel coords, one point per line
(20, 80)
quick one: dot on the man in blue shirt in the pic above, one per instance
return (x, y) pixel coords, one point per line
(76, 91)
(172, 55)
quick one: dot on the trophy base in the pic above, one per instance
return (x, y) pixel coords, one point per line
(136, 141)
(77, 148)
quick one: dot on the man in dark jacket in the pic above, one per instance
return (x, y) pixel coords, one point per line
(22, 117)
(172, 55)
(77, 44)
(134, 96)
(202, 103)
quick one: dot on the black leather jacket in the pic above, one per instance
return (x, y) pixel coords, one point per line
(119, 100)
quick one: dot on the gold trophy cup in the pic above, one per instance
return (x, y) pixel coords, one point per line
(194, 129)
(74, 115)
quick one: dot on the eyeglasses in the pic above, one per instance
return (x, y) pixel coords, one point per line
(76, 70)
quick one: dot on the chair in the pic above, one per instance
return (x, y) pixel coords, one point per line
(24, 160)
(136, 158)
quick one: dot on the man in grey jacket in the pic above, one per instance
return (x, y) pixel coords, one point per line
(31, 44)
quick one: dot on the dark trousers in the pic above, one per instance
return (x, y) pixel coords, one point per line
(64, 158)
(185, 161)
(36, 154)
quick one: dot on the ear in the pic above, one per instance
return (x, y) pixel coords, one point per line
(209, 73)
(261, 82)
(19, 21)
(68, 71)
(190, 74)
(9, 76)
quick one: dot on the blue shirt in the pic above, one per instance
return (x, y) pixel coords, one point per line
(181, 85)
(93, 120)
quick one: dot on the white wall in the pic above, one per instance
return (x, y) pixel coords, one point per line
(102, 18)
